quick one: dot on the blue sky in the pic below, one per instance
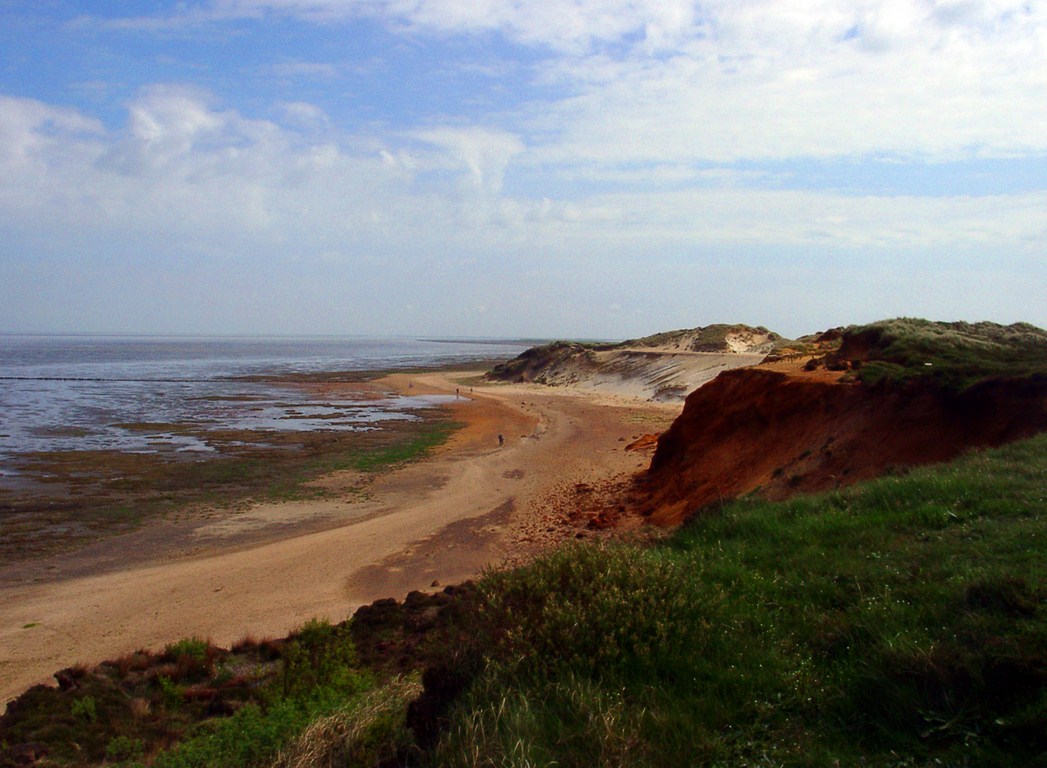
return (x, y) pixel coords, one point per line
(587, 168)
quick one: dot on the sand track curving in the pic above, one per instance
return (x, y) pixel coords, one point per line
(273, 566)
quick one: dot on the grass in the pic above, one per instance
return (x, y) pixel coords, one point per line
(318, 675)
(417, 445)
(369, 730)
(898, 623)
(536, 363)
(901, 622)
(955, 354)
(710, 338)
(193, 704)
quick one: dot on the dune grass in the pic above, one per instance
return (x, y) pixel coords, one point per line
(898, 623)
(955, 354)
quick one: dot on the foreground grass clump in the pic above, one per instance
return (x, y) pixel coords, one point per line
(193, 705)
(902, 622)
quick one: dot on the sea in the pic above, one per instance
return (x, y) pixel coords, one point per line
(138, 393)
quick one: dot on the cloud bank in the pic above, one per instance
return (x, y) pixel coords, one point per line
(657, 149)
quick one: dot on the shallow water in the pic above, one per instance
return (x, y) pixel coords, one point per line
(150, 394)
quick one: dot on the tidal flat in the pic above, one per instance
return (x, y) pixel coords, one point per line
(55, 501)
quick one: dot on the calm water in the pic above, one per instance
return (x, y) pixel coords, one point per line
(62, 393)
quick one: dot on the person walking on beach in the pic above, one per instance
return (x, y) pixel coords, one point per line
(501, 441)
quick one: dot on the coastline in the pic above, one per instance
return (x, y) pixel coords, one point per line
(266, 569)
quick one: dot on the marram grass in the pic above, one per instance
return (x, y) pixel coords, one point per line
(901, 622)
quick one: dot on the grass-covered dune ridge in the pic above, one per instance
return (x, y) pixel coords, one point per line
(899, 622)
(954, 354)
(547, 363)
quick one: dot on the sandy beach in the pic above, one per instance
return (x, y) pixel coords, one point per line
(263, 570)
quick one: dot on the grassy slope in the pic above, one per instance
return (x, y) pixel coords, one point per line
(956, 354)
(899, 622)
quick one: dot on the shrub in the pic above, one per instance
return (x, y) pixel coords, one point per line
(192, 647)
(124, 748)
(171, 693)
(320, 656)
(85, 709)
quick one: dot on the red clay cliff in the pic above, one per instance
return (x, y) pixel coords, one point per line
(780, 433)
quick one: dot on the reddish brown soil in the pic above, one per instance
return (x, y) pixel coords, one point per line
(779, 433)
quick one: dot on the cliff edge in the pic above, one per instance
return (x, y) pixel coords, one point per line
(784, 429)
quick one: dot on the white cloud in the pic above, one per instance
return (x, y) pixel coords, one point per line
(485, 153)
(788, 218)
(648, 95)
(571, 25)
(722, 80)
(304, 115)
(831, 80)
(31, 132)
(194, 171)
(745, 26)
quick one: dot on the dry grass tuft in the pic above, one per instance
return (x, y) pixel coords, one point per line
(140, 708)
(370, 731)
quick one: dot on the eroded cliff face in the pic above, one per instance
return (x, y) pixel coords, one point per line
(779, 434)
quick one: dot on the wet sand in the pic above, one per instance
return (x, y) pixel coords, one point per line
(264, 570)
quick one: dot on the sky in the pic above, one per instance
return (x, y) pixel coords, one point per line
(519, 168)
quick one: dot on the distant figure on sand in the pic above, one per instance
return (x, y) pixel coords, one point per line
(501, 441)
(456, 393)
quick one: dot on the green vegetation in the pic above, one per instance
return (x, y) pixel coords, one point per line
(117, 491)
(192, 647)
(370, 730)
(317, 676)
(541, 363)
(954, 354)
(194, 704)
(416, 446)
(709, 338)
(902, 622)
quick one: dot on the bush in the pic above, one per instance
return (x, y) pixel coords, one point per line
(618, 611)
(85, 709)
(191, 647)
(124, 748)
(320, 656)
